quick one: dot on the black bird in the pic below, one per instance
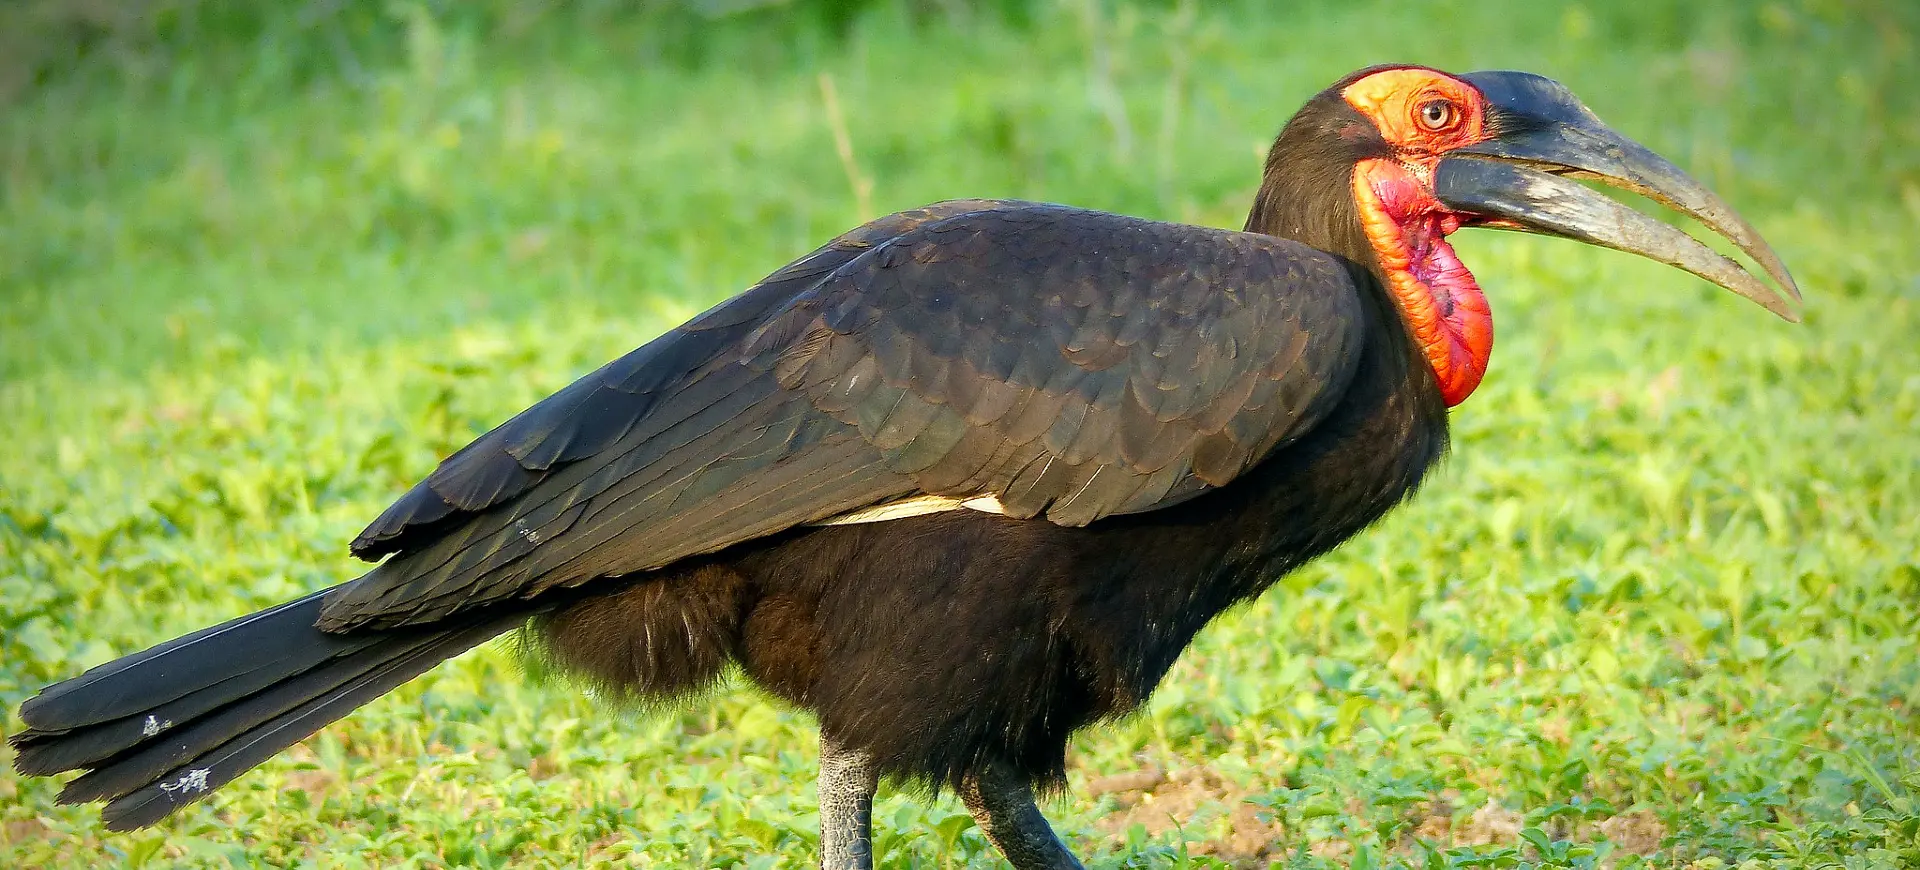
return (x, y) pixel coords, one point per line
(961, 482)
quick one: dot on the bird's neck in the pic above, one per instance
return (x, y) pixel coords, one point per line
(1375, 215)
(1306, 197)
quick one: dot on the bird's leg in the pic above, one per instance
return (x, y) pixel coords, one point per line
(847, 784)
(1002, 805)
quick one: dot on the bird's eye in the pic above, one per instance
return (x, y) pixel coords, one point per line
(1438, 115)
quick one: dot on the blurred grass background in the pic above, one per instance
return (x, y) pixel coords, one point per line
(262, 264)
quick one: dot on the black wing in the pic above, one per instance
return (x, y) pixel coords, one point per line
(1070, 362)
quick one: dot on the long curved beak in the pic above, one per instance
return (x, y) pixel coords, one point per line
(1523, 179)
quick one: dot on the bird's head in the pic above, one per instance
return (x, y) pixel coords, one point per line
(1387, 162)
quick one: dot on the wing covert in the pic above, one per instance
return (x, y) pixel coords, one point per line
(1152, 363)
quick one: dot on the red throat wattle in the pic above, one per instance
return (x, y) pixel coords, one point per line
(1437, 297)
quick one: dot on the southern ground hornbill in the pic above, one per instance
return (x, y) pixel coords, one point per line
(964, 480)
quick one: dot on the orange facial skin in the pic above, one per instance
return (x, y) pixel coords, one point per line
(1423, 114)
(1393, 98)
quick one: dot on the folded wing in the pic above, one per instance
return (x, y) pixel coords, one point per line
(1069, 363)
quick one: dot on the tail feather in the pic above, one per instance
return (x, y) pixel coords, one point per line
(142, 762)
(251, 651)
(163, 728)
(125, 701)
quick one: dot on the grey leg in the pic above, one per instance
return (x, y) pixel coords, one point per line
(1002, 805)
(847, 784)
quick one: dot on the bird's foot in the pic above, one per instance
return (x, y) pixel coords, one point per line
(1002, 805)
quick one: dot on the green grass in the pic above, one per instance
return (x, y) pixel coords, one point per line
(1662, 599)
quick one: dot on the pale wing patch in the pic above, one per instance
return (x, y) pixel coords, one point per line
(919, 505)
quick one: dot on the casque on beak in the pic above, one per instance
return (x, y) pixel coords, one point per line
(1522, 178)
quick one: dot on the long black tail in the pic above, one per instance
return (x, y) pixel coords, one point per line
(160, 729)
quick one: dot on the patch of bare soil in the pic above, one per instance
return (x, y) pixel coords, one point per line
(1194, 799)
(1639, 833)
(22, 830)
(1185, 799)
(1491, 824)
